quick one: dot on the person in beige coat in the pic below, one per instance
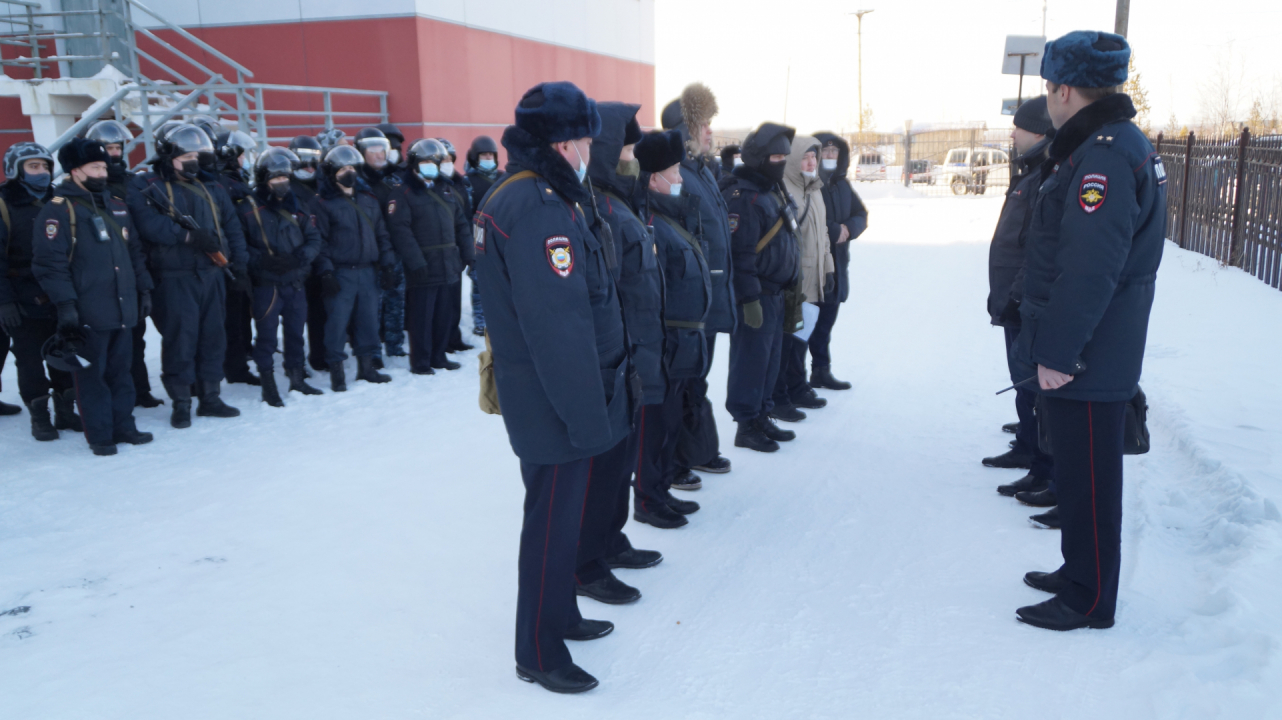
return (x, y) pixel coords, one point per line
(801, 179)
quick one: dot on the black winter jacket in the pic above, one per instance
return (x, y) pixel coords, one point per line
(714, 213)
(429, 228)
(687, 283)
(844, 209)
(279, 227)
(352, 227)
(755, 206)
(1006, 253)
(167, 245)
(17, 283)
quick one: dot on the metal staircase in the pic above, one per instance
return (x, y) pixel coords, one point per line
(89, 47)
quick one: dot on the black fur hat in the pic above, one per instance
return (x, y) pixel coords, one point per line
(632, 133)
(556, 112)
(659, 151)
(79, 152)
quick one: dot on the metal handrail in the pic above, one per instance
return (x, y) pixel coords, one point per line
(192, 38)
(90, 118)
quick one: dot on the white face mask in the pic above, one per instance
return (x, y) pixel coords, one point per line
(808, 174)
(674, 190)
(428, 170)
(447, 169)
(305, 174)
(830, 163)
(393, 156)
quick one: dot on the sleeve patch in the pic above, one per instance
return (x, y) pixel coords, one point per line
(391, 207)
(734, 222)
(560, 255)
(1159, 169)
(51, 229)
(1093, 191)
(478, 235)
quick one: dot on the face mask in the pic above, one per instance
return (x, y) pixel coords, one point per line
(39, 183)
(582, 172)
(305, 174)
(280, 190)
(347, 179)
(487, 164)
(738, 162)
(393, 156)
(95, 184)
(428, 170)
(629, 168)
(674, 189)
(447, 169)
(190, 168)
(808, 174)
(773, 171)
(830, 163)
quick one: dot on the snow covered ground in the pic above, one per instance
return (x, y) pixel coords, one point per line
(354, 556)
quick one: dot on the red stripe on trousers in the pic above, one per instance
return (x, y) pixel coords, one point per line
(1099, 584)
(538, 618)
(640, 455)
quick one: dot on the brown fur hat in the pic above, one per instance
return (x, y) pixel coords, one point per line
(698, 106)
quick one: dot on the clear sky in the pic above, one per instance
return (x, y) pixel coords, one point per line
(940, 60)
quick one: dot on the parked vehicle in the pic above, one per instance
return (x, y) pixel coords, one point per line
(871, 166)
(921, 171)
(971, 170)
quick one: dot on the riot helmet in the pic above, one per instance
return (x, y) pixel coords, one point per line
(308, 151)
(372, 138)
(425, 158)
(110, 132)
(330, 138)
(340, 157)
(21, 152)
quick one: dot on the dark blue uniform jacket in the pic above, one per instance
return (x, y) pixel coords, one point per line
(352, 226)
(551, 311)
(1006, 253)
(687, 283)
(1094, 245)
(167, 245)
(716, 233)
(429, 228)
(843, 208)
(279, 227)
(17, 283)
(754, 208)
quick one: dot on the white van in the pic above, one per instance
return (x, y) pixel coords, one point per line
(870, 166)
(972, 170)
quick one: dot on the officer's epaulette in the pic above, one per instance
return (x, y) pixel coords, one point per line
(546, 192)
(58, 199)
(1103, 139)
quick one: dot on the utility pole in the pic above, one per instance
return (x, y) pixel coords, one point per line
(1123, 17)
(1043, 18)
(860, 15)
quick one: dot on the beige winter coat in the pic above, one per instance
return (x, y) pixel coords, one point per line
(816, 254)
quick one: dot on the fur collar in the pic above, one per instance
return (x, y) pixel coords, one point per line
(1114, 108)
(526, 152)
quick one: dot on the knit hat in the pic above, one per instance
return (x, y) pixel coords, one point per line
(1087, 59)
(1032, 116)
(556, 112)
(79, 151)
(659, 151)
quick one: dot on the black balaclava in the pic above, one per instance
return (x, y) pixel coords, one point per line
(769, 139)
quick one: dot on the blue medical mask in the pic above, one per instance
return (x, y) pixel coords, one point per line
(428, 170)
(674, 190)
(582, 172)
(487, 164)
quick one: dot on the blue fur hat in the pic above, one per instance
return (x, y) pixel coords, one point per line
(1087, 59)
(557, 112)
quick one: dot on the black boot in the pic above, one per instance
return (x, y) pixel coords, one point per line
(1055, 614)
(42, 427)
(787, 413)
(1050, 582)
(683, 507)
(211, 405)
(103, 448)
(589, 630)
(609, 590)
(337, 377)
(145, 399)
(181, 416)
(9, 409)
(271, 394)
(132, 437)
(808, 399)
(774, 432)
(365, 371)
(242, 375)
(318, 363)
(634, 559)
(716, 465)
(752, 437)
(1028, 483)
(659, 515)
(298, 383)
(567, 680)
(448, 365)
(1043, 498)
(1048, 520)
(1011, 428)
(376, 362)
(821, 377)
(687, 481)
(1011, 459)
(64, 411)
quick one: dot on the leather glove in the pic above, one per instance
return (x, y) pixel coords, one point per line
(418, 277)
(279, 264)
(240, 279)
(1010, 313)
(830, 285)
(206, 241)
(387, 278)
(10, 318)
(144, 305)
(752, 314)
(329, 285)
(69, 323)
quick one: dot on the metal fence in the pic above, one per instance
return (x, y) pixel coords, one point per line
(1224, 199)
(937, 160)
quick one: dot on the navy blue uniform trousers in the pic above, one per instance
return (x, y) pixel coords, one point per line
(276, 306)
(792, 370)
(455, 305)
(316, 318)
(1086, 438)
(139, 371)
(546, 606)
(358, 300)
(189, 313)
(1026, 437)
(239, 332)
(605, 511)
(754, 362)
(428, 325)
(821, 336)
(28, 342)
(656, 457)
(698, 442)
(105, 389)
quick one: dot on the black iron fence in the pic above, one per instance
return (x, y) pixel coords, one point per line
(1224, 199)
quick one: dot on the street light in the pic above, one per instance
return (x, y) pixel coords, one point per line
(860, 14)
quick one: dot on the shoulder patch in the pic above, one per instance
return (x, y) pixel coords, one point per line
(51, 228)
(391, 207)
(560, 255)
(1159, 170)
(478, 234)
(1093, 191)
(734, 221)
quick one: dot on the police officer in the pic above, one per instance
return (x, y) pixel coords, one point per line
(384, 180)
(357, 253)
(190, 268)
(463, 196)
(482, 170)
(612, 179)
(766, 260)
(730, 159)
(233, 166)
(26, 313)
(691, 114)
(396, 140)
(560, 361)
(434, 240)
(283, 243)
(303, 186)
(90, 265)
(673, 213)
(1094, 245)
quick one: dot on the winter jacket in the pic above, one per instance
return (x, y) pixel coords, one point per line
(755, 207)
(102, 278)
(843, 209)
(1006, 253)
(687, 283)
(551, 311)
(812, 235)
(279, 227)
(636, 269)
(1094, 245)
(714, 215)
(481, 181)
(167, 245)
(429, 229)
(17, 283)
(352, 226)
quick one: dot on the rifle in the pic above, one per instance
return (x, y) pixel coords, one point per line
(186, 222)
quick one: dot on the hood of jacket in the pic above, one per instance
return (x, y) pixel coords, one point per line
(526, 152)
(608, 146)
(843, 154)
(801, 145)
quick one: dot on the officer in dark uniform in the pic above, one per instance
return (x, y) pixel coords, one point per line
(560, 361)
(190, 268)
(482, 171)
(90, 265)
(730, 159)
(384, 180)
(283, 243)
(766, 260)
(462, 188)
(234, 152)
(357, 252)
(396, 140)
(26, 313)
(434, 240)
(673, 214)
(612, 179)
(303, 186)
(1094, 245)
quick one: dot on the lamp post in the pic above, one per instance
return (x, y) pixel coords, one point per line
(860, 15)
